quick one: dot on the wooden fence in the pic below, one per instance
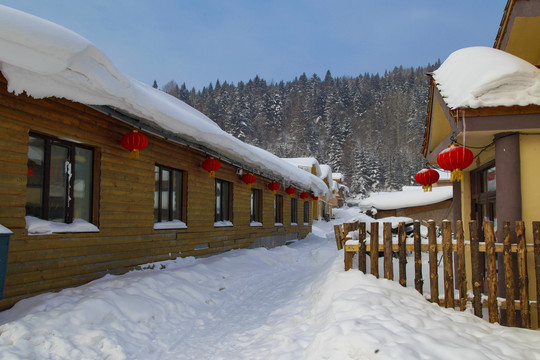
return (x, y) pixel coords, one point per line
(482, 269)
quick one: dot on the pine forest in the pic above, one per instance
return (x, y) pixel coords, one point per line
(369, 127)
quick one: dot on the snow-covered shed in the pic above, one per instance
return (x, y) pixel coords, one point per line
(80, 207)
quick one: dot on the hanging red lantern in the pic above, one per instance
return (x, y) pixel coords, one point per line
(315, 198)
(427, 177)
(304, 195)
(290, 190)
(274, 186)
(249, 179)
(134, 141)
(211, 165)
(455, 159)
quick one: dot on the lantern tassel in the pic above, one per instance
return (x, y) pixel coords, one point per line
(211, 174)
(134, 154)
(248, 186)
(456, 175)
(427, 188)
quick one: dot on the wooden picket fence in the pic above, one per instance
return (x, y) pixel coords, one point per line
(457, 250)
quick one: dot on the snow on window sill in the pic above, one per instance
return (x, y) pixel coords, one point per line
(294, 224)
(278, 224)
(306, 224)
(37, 226)
(255, 223)
(223, 224)
(174, 224)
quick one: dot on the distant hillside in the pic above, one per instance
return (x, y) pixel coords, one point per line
(370, 127)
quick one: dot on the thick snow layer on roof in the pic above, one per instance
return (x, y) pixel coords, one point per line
(337, 177)
(44, 60)
(408, 198)
(477, 77)
(326, 172)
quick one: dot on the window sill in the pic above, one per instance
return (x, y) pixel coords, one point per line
(278, 224)
(223, 224)
(166, 225)
(294, 224)
(255, 224)
(306, 224)
(36, 226)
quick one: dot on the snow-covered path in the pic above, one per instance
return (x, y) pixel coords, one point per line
(291, 302)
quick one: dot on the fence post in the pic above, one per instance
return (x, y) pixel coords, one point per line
(362, 248)
(536, 232)
(509, 276)
(462, 278)
(523, 284)
(339, 236)
(402, 255)
(418, 281)
(448, 270)
(433, 271)
(475, 267)
(374, 248)
(491, 260)
(388, 266)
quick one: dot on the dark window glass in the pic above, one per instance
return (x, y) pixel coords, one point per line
(256, 205)
(223, 200)
(294, 211)
(168, 194)
(278, 208)
(60, 180)
(306, 212)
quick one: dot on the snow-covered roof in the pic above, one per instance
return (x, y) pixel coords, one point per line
(44, 60)
(411, 196)
(326, 173)
(337, 177)
(477, 77)
(305, 163)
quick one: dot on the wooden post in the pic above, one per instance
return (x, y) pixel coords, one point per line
(509, 276)
(462, 278)
(402, 255)
(475, 268)
(388, 266)
(523, 283)
(339, 236)
(374, 249)
(349, 255)
(418, 281)
(448, 268)
(536, 233)
(433, 271)
(362, 248)
(489, 237)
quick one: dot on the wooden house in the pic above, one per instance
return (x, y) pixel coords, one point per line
(81, 206)
(488, 100)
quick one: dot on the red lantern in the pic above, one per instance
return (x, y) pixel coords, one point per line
(304, 195)
(211, 165)
(315, 198)
(249, 179)
(427, 177)
(274, 186)
(290, 190)
(455, 159)
(134, 141)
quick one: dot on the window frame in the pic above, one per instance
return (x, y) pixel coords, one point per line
(278, 209)
(183, 194)
(256, 211)
(294, 211)
(306, 212)
(226, 201)
(69, 205)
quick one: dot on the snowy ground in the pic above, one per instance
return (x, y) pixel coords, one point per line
(291, 302)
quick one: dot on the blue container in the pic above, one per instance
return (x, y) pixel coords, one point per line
(5, 233)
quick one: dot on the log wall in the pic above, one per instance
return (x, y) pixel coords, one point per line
(124, 202)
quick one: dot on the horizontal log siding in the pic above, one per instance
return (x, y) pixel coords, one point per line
(42, 263)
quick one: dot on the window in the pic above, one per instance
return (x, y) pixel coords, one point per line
(169, 196)
(60, 180)
(483, 194)
(223, 202)
(278, 209)
(256, 208)
(306, 212)
(294, 211)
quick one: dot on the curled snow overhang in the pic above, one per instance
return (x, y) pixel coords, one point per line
(408, 198)
(44, 60)
(478, 77)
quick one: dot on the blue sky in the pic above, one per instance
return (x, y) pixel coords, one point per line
(200, 41)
